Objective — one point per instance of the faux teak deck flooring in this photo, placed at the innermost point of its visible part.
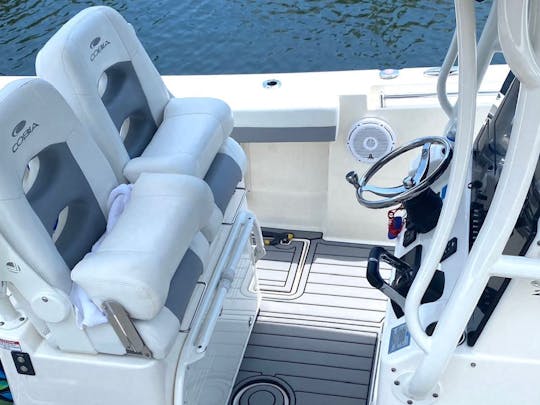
(316, 334)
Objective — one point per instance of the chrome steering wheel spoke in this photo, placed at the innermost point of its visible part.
(385, 191)
(422, 168)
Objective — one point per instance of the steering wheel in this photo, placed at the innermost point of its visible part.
(412, 185)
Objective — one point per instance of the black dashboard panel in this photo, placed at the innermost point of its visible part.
(488, 159)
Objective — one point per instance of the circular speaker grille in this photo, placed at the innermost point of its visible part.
(370, 139)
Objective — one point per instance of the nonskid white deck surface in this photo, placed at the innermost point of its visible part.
(316, 334)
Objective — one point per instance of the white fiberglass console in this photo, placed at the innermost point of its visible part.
(465, 262)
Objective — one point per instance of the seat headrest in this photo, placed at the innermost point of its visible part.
(91, 59)
(49, 164)
(35, 116)
(88, 44)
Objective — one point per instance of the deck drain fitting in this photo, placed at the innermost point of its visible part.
(271, 84)
(268, 390)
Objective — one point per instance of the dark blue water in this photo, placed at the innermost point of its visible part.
(247, 36)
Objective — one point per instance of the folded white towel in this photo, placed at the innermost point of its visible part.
(117, 202)
(86, 312)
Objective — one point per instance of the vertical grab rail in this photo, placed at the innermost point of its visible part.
(486, 258)
(205, 319)
(515, 39)
(488, 43)
(487, 46)
(245, 225)
(446, 67)
(224, 285)
(466, 29)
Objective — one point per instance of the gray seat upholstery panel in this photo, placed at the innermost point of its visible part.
(223, 176)
(124, 98)
(60, 183)
(183, 283)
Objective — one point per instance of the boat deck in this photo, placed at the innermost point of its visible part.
(316, 335)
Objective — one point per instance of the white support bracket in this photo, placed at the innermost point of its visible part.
(49, 304)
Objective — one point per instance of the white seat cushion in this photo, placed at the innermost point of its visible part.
(136, 261)
(191, 134)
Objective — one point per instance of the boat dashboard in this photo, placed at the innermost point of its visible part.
(421, 213)
(488, 159)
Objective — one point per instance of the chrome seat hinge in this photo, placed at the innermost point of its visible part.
(125, 330)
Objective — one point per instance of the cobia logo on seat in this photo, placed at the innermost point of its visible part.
(97, 46)
(21, 132)
(94, 42)
(18, 128)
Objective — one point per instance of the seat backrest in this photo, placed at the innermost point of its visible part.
(54, 181)
(100, 67)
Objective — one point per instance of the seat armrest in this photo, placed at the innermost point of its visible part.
(187, 141)
(136, 261)
(213, 107)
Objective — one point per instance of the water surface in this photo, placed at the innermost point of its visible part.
(246, 36)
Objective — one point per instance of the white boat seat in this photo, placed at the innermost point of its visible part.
(136, 261)
(54, 186)
(100, 67)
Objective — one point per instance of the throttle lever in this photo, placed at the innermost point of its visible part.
(374, 277)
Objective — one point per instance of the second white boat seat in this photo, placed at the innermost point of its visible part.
(54, 186)
(100, 67)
